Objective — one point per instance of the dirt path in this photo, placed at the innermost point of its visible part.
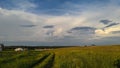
(48, 64)
(40, 61)
(51, 62)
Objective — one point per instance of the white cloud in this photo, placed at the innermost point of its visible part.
(107, 32)
(23, 5)
(10, 21)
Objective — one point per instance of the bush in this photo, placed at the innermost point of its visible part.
(117, 63)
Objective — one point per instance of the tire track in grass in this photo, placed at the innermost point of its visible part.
(39, 61)
(21, 60)
(50, 62)
(12, 58)
(47, 63)
(25, 61)
(6, 63)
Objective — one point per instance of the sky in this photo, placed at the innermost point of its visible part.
(60, 22)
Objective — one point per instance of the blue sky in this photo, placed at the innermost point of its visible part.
(60, 22)
(50, 6)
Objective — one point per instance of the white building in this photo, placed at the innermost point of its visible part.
(19, 49)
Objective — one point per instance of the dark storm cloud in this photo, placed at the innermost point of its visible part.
(112, 24)
(105, 21)
(83, 28)
(48, 26)
(27, 25)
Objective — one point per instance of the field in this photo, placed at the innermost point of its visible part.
(68, 57)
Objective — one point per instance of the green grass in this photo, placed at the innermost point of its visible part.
(47, 63)
(22, 60)
(87, 57)
(71, 57)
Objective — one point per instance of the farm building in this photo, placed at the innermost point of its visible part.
(1, 47)
(19, 49)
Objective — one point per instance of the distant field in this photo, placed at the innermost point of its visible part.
(70, 57)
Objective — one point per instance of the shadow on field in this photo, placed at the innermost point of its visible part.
(117, 63)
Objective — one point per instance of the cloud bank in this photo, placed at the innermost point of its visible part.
(86, 24)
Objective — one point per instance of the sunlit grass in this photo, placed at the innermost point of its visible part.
(71, 57)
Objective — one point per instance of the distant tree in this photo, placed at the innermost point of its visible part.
(2, 46)
(85, 45)
(93, 45)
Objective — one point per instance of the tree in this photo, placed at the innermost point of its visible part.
(2, 46)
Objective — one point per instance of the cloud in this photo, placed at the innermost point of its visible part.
(79, 25)
(25, 5)
(115, 32)
(105, 21)
(112, 24)
(27, 25)
(108, 32)
(83, 28)
(81, 33)
(50, 33)
(48, 26)
(101, 32)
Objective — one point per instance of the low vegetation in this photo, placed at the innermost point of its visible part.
(71, 57)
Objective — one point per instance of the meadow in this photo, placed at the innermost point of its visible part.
(68, 57)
